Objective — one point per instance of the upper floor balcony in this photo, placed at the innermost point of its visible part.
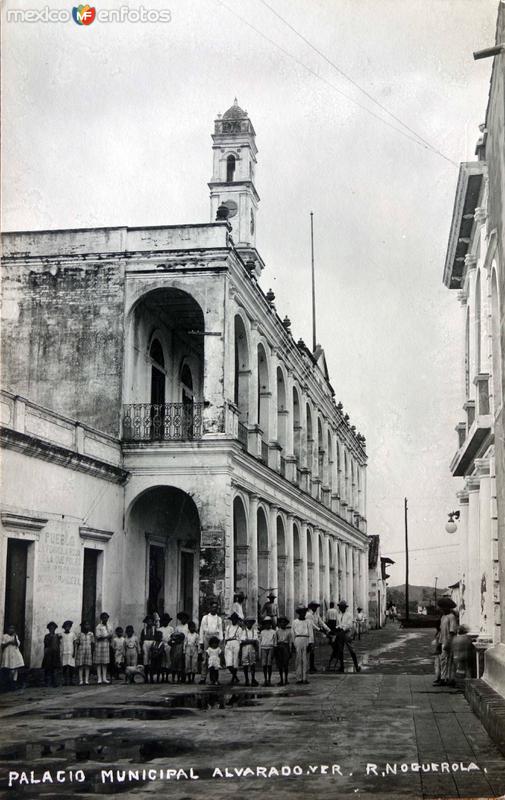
(162, 422)
(476, 431)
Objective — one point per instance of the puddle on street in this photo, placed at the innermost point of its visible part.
(97, 747)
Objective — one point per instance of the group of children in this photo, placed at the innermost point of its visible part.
(178, 651)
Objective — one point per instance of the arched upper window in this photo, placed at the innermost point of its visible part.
(187, 384)
(297, 428)
(230, 169)
(281, 409)
(157, 373)
(263, 392)
(156, 353)
(241, 383)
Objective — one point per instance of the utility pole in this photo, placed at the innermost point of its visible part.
(406, 562)
(314, 342)
(436, 579)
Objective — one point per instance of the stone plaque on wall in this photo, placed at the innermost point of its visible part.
(212, 537)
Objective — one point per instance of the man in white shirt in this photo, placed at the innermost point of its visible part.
(302, 636)
(317, 624)
(211, 625)
(344, 634)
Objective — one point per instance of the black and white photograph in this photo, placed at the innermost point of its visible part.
(252, 381)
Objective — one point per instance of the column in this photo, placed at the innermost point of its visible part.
(273, 575)
(349, 577)
(486, 552)
(463, 556)
(336, 567)
(290, 569)
(214, 377)
(315, 559)
(343, 571)
(473, 577)
(363, 573)
(356, 581)
(327, 564)
(252, 566)
(304, 566)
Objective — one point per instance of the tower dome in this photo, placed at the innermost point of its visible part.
(235, 112)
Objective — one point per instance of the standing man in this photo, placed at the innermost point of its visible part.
(344, 635)
(331, 617)
(317, 624)
(270, 609)
(211, 626)
(302, 635)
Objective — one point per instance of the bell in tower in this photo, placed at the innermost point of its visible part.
(232, 185)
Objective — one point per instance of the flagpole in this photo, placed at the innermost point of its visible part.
(314, 341)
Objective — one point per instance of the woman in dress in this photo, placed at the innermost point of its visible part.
(51, 660)
(11, 654)
(67, 652)
(103, 636)
(84, 653)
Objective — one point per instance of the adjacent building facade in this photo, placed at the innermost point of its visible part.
(475, 269)
(377, 583)
(166, 441)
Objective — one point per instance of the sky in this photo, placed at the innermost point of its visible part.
(109, 124)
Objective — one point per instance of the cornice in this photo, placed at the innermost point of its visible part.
(47, 451)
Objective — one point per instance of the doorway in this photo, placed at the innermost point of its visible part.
(187, 580)
(89, 586)
(156, 596)
(15, 589)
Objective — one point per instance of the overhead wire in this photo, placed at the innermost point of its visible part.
(355, 83)
(332, 85)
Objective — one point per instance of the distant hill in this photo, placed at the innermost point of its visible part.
(418, 595)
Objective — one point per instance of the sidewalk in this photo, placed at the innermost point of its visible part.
(361, 727)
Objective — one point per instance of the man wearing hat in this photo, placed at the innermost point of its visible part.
(234, 634)
(344, 635)
(270, 609)
(211, 627)
(302, 635)
(314, 619)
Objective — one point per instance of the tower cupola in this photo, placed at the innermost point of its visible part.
(232, 184)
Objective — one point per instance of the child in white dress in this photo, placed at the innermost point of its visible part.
(11, 654)
(191, 646)
(67, 652)
(118, 651)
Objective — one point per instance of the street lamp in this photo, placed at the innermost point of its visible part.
(450, 525)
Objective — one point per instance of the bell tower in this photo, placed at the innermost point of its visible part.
(232, 192)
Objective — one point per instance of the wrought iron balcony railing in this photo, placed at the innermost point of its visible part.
(242, 434)
(166, 422)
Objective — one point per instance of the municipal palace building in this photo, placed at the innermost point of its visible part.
(166, 440)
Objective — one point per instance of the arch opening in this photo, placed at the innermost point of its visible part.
(165, 367)
(162, 554)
